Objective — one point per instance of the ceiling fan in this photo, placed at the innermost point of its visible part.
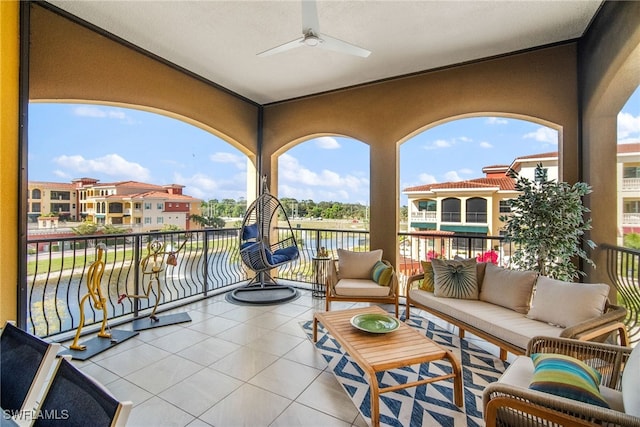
(312, 37)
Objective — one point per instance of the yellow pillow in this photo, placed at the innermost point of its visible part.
(427, 283)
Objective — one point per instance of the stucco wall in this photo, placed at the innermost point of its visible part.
(609, 56)
(539, 85)
(69, 62)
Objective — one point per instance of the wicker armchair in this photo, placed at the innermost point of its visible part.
(509, 404)
(340, 288)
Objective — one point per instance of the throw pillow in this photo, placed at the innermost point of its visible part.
(455, 279)
(427, 283)
(250, 232)
(357, 265)
(630, 383)
(508, 288)
(551, 297)
(568, 377)
(381, 273)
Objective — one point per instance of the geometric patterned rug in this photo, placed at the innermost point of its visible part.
(424, 405)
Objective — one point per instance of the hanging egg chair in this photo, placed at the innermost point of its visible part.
(263, 247)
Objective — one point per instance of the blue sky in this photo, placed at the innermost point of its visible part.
(68, 141)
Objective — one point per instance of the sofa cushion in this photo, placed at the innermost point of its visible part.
(357, 265)
(455, 279)
(427, 283)
(551, 297)
(520, 372)
(497, 321)
(568, 377)
(508, 288)
(631, 384)
(381, 273)
(360, 288)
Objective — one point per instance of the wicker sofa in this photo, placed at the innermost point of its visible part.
(512, 401)
(512, 307)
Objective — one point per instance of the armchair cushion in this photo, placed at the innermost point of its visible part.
(568, 377)
(551, 296)
(360, 288)
(381, 273)
(427, 283)
(631, 384)
(455, 279)
(357, 265)
(508, 288)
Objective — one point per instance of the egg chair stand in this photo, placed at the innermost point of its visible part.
(264, 247)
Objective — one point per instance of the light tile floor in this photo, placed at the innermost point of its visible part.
(232, 365)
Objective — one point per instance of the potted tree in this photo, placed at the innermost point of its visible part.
(547, 225)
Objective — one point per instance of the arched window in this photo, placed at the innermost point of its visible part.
(35, 194)
(476, 210)
(451, 210)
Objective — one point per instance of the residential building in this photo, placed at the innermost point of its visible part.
(46, 198)
(129, 204)
(474, 206)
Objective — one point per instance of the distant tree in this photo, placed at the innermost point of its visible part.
(112, 229)
(632, 241)
(170, 227)
(206, 221)
(85, 229)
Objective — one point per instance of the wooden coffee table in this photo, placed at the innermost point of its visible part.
(381, 352)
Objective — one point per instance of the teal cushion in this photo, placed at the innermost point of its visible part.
(568, 377)
(381, 273)
(455, 279)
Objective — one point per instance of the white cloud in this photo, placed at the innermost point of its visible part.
(452, 176)
(110, 165)
(463, 139)
(239, 162)
(466, 171)
(296, 180)
(99, 113)
(327, 143)
(62, 175)
(544, 134)
(205, 187)
(496, 121)
(426, 178)
(628, 128)
(485, 144)
(439, 143)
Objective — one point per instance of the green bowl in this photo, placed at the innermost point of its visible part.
(375, 323)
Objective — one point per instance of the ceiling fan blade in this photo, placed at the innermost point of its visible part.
(283, 47)
(337, 45)
(310, 21)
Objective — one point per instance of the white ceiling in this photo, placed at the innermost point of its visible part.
(219, 40)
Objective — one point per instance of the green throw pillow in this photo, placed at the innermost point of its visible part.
(568, 377)
(427, 283)
(455, 279)
(381, 273)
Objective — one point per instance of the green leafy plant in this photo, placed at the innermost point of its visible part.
(547, 224)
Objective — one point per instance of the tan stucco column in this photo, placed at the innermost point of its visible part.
(384, 197)
(9, 110)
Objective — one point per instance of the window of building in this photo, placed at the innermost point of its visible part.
(115, 207)
(476, 210)
(159, 206)
(427, 205)
(35, 207)
(632, 206)
(451, 210)
(505, 207)
(60, 195)
(631, 172)
(159, 220)
(35, 194)
(541, 174)
(147, 205)
(147, 220)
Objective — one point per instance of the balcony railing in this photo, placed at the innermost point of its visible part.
(631, 219)
(631, 184)
(208, 263)
(623, 268)
(424, 216)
